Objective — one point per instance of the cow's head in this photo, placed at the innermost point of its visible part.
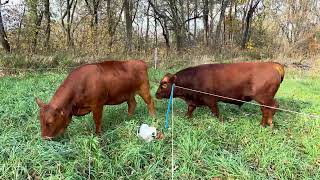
(165, 86)
(53, 121)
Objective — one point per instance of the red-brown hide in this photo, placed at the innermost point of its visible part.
(90, 87)
(245, 81)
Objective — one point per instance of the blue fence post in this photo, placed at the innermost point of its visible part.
(169, 105)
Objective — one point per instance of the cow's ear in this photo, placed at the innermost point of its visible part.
(173, 78)
(40, 103)
(59, 110)
(166, 78)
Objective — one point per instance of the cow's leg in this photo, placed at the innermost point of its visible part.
(132, 103)
(215, 110)
(97, 116)
(275, 104)
(144, 92)
(267, 113)
(191, 108)
(213, 105)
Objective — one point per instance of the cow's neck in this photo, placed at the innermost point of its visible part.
(62, 99)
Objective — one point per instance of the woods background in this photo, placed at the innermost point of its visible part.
(219, 29)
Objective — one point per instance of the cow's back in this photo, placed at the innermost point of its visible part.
(108, 82)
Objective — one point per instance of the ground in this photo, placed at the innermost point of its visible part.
(204, 148)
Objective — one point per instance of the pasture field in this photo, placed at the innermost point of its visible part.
(204, 148)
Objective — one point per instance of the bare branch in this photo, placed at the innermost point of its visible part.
(196, 17)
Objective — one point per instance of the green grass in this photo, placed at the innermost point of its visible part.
(203, 147)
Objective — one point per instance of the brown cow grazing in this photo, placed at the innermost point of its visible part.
(90, 87)
(245, 81)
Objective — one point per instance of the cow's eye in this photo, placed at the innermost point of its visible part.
(164, 86)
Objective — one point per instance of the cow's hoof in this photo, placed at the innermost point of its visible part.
(263, 124)
(271, 125)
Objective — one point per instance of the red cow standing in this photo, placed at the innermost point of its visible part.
(90, 87)
(245, 81)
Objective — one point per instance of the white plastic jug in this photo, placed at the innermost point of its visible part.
(147, 133)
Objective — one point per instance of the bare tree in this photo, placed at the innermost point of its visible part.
(20, 27)
(93, 7)
(252, 8)
(147, 28)
(48, 25)
(195, 20)
(163, 21)
(113, 21)
(129, 17)
(218, 38)
(3, 35)
(206, 21)
(171, 15)
(36, 13)
(67, 21)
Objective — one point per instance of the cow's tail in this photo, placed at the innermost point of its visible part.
(280, 69)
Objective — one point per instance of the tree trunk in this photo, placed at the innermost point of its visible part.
(245, 11)
(69, 38)
(147, 30)
(3, 35)
(20, 27)
(48, 26)
(218, 38)
(112, 23)
(205, 21)
(166, 35)
(230, 21)
(36, 17)
(245, 36)
(178, 25)
(37, 23)
(195, 20)
(155, 24)
(93, 9)
(128, 8)
(188, 23)
(235, 17)
(71, 6)
(96, 4)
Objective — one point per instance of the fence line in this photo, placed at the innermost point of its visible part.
(233, 99)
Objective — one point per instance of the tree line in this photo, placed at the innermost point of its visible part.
(130, 26)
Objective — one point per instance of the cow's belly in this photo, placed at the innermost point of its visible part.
(237, 100)
(119, 95)
(114, 100)
(81, 111)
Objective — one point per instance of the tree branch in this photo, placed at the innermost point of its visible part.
(157, 11)
(196, 17)
(89, 7)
